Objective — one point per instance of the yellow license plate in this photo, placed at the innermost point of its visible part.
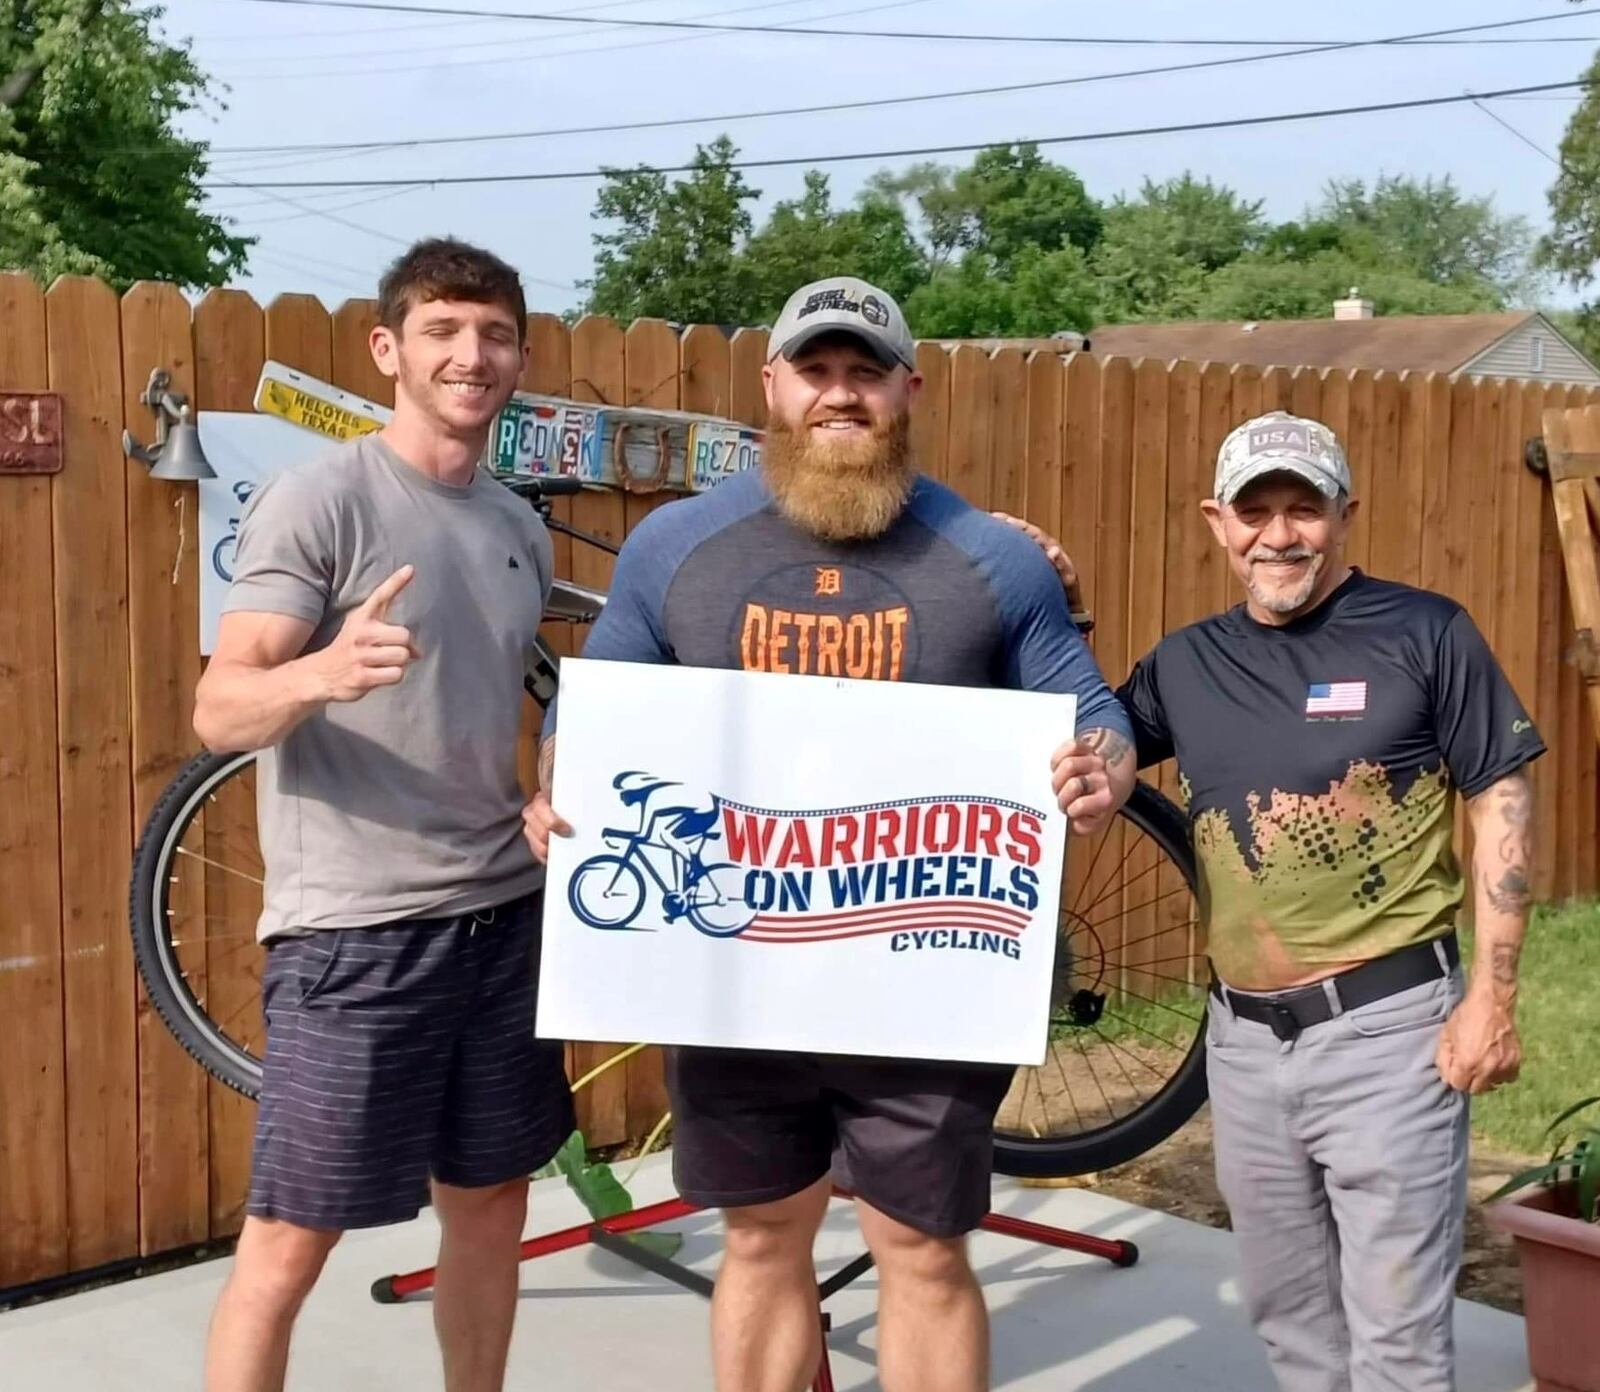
(299, 407)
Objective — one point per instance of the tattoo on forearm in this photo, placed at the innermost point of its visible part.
(1511, 893)
(1109, 745)
(547, 762)
(1516, 808)
(1503, 963)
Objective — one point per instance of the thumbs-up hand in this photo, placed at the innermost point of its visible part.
(369, 651)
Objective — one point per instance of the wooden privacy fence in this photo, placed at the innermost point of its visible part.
(112, 1143)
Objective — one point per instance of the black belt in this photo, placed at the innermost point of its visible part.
(1290, 1012)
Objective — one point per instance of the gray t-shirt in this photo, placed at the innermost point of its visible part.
(406, 803)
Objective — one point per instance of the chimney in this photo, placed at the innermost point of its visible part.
(1353, 308)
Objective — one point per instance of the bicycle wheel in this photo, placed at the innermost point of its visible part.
(194, 900)
(606, 892)
(1125, 1061)
(715, 913)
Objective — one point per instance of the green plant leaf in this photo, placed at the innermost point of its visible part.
(1571, 1112)
(1539, 1174)
(1589, 1182)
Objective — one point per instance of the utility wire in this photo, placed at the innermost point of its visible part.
(1235, 123)
(459, 12)
(1526, 140)
(825, 107)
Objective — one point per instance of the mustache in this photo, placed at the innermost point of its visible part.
(1270, 553)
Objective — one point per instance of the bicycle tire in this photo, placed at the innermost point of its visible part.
(154, 952)
(582, 910)
(1128, 1137)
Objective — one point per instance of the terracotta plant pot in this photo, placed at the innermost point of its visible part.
(1560, 1259)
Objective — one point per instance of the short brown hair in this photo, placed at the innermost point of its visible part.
(442, 268)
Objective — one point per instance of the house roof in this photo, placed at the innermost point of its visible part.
(1396, 343)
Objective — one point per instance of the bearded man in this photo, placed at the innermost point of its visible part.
(838, 559)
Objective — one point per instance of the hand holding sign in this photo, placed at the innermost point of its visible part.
(369, 651)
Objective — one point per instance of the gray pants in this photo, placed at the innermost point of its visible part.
(1343, 1158)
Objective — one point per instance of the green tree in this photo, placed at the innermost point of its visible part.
(93, 178)
(806, 238)
(1572, 246)
(674, 250)
(1009, 199)
(1157, 249)
(1268, 287)
(1428, 227)
(1042, 292)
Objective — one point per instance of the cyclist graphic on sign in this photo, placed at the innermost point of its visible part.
(608, 891)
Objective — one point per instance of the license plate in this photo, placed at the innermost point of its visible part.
(539, 437)
(304, 401)
(719, 450)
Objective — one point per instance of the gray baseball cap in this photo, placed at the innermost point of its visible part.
(1278, 443)
(843, 304)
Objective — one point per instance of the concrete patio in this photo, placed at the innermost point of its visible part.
(593, 1323)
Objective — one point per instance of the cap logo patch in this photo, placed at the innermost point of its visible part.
(874, 312)
(836, 298)
(1279, 437)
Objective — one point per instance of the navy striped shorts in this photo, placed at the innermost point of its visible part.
(398, 1053)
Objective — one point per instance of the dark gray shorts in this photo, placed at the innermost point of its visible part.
(914, 1139)
(399, 1052)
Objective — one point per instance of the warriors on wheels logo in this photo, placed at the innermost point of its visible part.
(953, 873)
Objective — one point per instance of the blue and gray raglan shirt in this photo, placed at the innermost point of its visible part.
(948, 595)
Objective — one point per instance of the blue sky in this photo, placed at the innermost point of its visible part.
(301, 75)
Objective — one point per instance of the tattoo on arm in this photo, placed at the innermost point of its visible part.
(1503, 963)
(1511, 893)
(547, 762)
(1108, 744)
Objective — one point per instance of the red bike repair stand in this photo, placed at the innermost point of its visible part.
(610, 1234)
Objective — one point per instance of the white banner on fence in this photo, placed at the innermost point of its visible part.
(764, 861)
(245, 449)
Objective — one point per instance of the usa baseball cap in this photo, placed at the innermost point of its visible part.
(1278, 443)
(843, 304)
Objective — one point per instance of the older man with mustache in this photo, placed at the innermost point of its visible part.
(838, 559)
(1323, 730)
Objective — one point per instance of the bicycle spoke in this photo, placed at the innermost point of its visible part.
(1162, 1005)
(1095, 1078)
(1160, 932)
(1088, 879)
(1066, 1083)
(1125, 884)
(1127, 854)
(1143, 1063)
(218, 865)
(1126, 913)
(1127, 1077)
(1135, 1025)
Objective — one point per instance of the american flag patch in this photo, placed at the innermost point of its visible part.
(1336, 698)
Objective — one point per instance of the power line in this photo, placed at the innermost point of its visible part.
(1526, 140)
(1235, 123)
(327, 216)
(367, 69)
(826, 107)
(387, 7)
(370, 31)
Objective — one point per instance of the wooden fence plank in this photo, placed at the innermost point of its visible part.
(1482, 583)
(747, 396)
(353, 368)
(967, 468)
(1335, 413)
(599, 373)
(90, 519)
(707, 362)
(651, 370)
(300, 334)
(1042, 474)
(930, 413)
(33, 1119)
(1008, 431)
(1216, 420)
(230, 346)
(1277, 389)
(1395, 506)
(164, 628)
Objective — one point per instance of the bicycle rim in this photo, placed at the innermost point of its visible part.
(194, 902)
(1125, 1062)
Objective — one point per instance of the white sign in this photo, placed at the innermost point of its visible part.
(812, 864)
(245, 450)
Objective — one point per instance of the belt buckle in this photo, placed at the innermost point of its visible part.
(1282, 1022)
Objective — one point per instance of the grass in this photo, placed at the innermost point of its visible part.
(1558, 1018)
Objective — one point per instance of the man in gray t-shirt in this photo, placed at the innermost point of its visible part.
(386, 599)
